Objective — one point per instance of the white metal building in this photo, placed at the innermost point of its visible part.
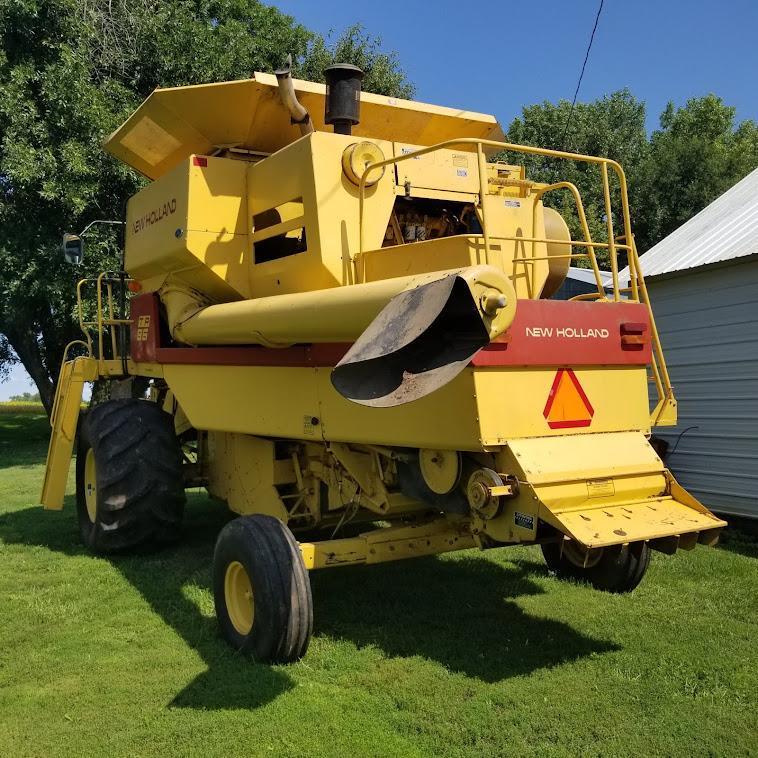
(703, 284)
(581, 281)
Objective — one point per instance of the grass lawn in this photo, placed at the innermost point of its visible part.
(468, 654)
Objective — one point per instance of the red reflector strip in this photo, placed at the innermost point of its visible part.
(633, 342)
(633, 328)
(199, 160)
(569, 424)
(633, 335)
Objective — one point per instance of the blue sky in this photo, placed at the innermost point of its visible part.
(496, 57)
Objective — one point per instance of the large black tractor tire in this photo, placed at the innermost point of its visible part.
(618, 568)
(261, 590)
(129, 487)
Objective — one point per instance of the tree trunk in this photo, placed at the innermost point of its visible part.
(27, 348)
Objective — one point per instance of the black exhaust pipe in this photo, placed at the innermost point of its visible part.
(343, 97)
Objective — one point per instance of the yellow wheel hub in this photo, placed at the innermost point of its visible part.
(238, 594)
(441, 469)
(90, 485)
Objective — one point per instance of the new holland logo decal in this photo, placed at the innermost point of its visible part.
(567, 405)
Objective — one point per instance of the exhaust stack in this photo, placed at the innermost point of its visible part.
(298, 113)
(343, 97)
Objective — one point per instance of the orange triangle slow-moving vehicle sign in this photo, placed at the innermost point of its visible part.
(567, 406)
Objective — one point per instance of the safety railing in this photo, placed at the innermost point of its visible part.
(106, 333)
(637, 291)
(611, 245)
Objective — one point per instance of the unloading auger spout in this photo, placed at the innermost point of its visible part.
(410, 335)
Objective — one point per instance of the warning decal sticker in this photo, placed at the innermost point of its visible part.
(567, 406)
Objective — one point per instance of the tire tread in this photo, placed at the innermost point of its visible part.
(283, 620)
(139, 476)
(620, 568)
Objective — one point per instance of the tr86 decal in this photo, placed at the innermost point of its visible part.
(143, 328)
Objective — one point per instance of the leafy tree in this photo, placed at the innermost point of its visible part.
(697, 154)
(612, 127)
(70, 73)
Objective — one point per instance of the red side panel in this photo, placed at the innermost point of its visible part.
(572, 333)
(544, 333)
(147, 346)
(145, 329)
(296, 356)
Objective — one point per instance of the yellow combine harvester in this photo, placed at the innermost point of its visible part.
(334, 327)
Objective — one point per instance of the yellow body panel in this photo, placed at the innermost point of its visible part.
(446, 252)
(265, 401)
(448, 170)
(281, 402)
(512, 401)
(244, 473)
(310, 170)
(192, 225)
(481, 408)
(585, 457)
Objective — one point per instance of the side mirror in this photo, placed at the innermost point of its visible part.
(73, 248)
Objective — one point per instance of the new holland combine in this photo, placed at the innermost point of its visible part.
(334, 314)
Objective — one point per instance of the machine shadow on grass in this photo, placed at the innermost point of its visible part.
(460, 613)
(162, 578)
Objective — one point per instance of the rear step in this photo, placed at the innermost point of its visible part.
(612, 489)
(665, 522)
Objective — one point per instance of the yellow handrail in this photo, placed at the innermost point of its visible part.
(609, 224)
(637, 285)
(100, 323)
(480, 144)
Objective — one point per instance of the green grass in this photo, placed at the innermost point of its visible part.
(467, 654)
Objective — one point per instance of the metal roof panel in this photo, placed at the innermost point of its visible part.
(723, 230)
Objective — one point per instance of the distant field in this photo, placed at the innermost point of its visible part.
(467, 654)
(21, 406)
